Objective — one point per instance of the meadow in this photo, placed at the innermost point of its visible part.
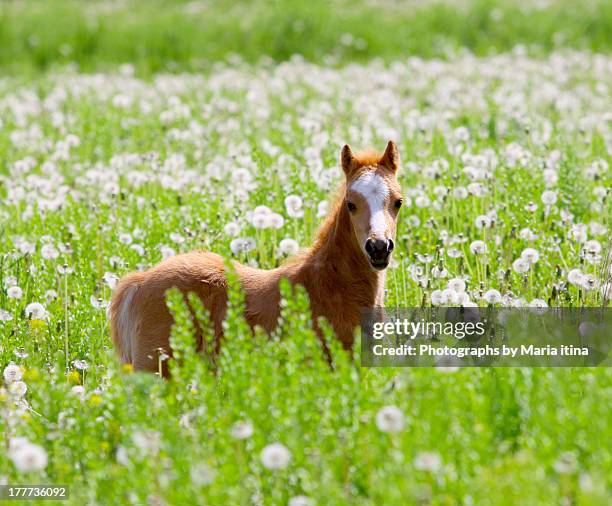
(177, 35)
(119, 160)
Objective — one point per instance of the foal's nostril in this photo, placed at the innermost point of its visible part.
(369, 246)
(390, 245)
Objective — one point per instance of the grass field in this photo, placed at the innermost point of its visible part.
(162, 35)
(507, 183)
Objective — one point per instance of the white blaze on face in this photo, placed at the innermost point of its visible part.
(374, 189)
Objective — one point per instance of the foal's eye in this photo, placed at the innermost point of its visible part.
(351, 207)
(398, 203)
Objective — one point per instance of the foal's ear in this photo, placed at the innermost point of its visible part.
(347, 160)
(391, 158)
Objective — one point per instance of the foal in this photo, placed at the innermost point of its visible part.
(343, 272)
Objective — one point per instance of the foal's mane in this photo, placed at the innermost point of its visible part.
(368, 157)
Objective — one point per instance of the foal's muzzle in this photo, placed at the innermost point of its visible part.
(379, 251)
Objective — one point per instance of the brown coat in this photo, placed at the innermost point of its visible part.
(335, 272)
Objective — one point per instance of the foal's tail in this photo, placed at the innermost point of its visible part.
(124, 320)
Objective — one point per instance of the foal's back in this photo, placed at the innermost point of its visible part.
(140, 320)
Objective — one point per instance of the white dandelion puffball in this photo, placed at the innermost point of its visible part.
(438, 272)
(566, 463)
(12, 372)
(50, 295)
(81, 365)
(550, 177)
(78, 390)
(300, 500)
(288, 247)
(260, 220)
(148, 441)
(437, 298)
(538, 303)
(589, 282)
(138, 249)
(578, 232)
(177, 238)
(428, 461)
(527, 234)
(492, 296)
(232, 229)
(531, 255)
(575, 277)
(592, 246)
(456, 284)
(242, 245)
(478, 248)
(293, 204)
(123, 457)
(276, 221)
(521, 265)
(450, 296)
(27, 456)
(5, 316)
(275, 456)
(36, 311)
(201, 474)
(14, 292)
(167, 252)
(322, 209)
(125, 238)
(549, 197)
(483, 221)
(64, 269)
(460, 192)
(98, 303)
(49, 252)
(111, 279)
(606, 291)
(17, 442)
(242, 430)
(390, 419)
(421, 201)
(262, 210)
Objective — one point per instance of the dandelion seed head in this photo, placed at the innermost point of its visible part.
(14, 292)
(242, 430)
(275, 456)
(301, 500)
(26, 456)
(492, 296)
(549, 197)
(478, 247)
(390, 419)
(428, 461)
(36, 311)
(521, 265)
(531, 255)
(12, 373)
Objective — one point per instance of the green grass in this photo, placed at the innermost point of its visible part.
(500, 433)
(164, 35)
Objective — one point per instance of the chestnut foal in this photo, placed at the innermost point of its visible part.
(343, 271)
